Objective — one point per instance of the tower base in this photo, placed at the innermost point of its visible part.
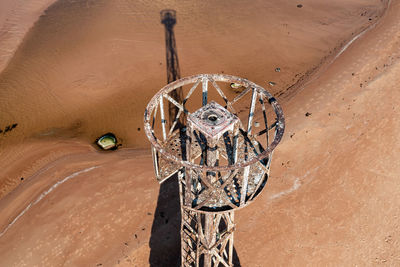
(206, 238)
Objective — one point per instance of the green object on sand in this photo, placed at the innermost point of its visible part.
(235, 85)
(107, 141)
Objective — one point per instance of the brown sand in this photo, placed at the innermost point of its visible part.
(90, 67)
(16, 18)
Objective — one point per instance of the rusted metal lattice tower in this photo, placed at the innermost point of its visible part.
(222, 157)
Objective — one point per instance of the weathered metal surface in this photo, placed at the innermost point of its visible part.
(212, 120)
(225, 166)
(279, 126)
(221, 165)
(207, 239)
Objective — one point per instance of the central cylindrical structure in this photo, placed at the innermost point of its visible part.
(220, 153)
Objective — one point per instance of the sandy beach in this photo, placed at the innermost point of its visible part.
(71, 71)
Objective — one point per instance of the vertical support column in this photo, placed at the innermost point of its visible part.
(231, 226)
(210, 237)
(163, 121)
(205, 91)
(251, 112)
(212, 159)
(206, 238)
(246, 171)
(188, 172)
(235, 149)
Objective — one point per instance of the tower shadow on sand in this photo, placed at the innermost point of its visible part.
(165, 247)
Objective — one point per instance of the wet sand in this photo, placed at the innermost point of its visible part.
(89, 67)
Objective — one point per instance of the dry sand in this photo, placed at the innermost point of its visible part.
(90, 67)
(16, 18)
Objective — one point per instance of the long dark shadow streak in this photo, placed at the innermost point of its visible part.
(165, 247)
